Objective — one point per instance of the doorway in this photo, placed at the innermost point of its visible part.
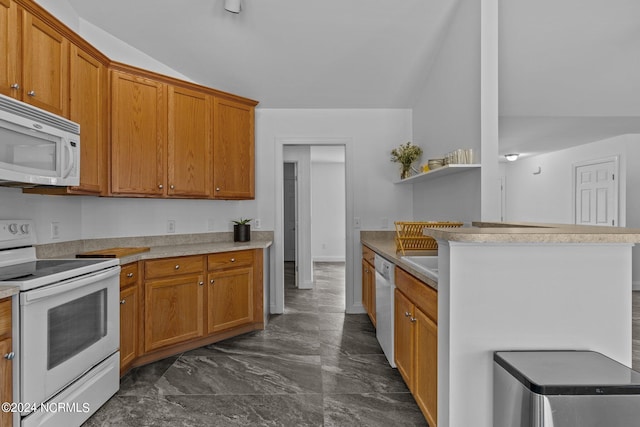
(303, 228)
(290, 222)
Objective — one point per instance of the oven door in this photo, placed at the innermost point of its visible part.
(66, 329)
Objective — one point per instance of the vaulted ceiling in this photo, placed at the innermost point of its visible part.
(569, 70)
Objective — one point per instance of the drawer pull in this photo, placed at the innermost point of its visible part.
(10, 356)
(15, 86)
(212, 281)
(123, 301)
(413, 320)
(177, 266)
(129, 275)
(31, 93)
(407, 314)
(201, 283)
(233, 260)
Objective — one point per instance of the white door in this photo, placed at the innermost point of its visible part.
(596, 192)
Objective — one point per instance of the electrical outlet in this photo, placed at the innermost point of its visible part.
(257, 223)
(55, 230)
(171, 226)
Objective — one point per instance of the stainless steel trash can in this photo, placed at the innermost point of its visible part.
(563, 389)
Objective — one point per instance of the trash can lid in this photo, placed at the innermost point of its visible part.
(570, 372)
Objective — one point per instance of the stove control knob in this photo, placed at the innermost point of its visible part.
(24, 229)
(13, 228)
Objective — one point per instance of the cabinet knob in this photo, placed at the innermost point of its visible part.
(160, 186)
(233, 260)
(10, 356)
(129, 275)
(122, 301)
(177, 266)
(407, 314)
(413, 320)
(200, 283)
(172, 186)
(212, 281)
(217, 188)
(31, 93)
(15, 86)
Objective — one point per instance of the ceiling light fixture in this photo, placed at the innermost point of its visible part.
(233, 6)
(512, 157)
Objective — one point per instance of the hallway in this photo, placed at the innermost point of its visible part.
(311, 366)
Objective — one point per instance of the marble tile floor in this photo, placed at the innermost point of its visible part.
(312, 366)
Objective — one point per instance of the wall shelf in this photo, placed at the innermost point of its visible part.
(437, 173)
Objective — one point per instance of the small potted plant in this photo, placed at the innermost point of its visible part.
(405, 154)
(242, 230)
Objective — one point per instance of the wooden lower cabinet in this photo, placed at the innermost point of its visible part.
(230, 299)
(130, 315)
(369, 284)
(416, 341)
(173, 311)
(6, 364)
(182, 303)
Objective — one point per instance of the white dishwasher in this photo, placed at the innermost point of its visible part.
(385, 288)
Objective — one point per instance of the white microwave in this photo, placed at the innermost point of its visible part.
(37, 147)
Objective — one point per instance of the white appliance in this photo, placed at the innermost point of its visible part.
(37, 147)
(66, 330)
(385, 288)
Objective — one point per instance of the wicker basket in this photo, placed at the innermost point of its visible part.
(410, 235)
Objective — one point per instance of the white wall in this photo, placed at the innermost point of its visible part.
(547, 197)
(327, 211)
(446, 116)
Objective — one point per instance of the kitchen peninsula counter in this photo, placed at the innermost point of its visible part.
(525, 286)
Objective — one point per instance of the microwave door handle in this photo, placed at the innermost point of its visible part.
(67, 286)
(67, 170)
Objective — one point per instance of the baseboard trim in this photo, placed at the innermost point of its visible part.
(305, 284)
(635, 285)
(329, 259)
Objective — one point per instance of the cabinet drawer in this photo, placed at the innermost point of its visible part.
(5, 317)
(421, 294)
(128, 275)
(230, 259)
(173, 266)
(368, 255)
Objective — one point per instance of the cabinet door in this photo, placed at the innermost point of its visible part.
(173, 311)
(233, 150)
(426, 366)
(138, 136)
(229, 299)
(6, 380)
(403, 337)
(189, 143)
(372, 294)
(10, 43)
(366, 287)
(45, 68)
(87, 107)
(128, 325)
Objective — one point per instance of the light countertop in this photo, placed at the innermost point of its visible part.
(488, 232)
(383, 243)
(8, 291)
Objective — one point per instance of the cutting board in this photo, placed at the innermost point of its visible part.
(112, 253)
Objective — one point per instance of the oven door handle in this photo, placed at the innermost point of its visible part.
(67, 286)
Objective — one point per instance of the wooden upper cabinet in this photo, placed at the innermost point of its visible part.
(88, 108)
(189, 144)
(138, 119)
(35, 66)
(233, 150)
(10, 49)
(45, 68)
